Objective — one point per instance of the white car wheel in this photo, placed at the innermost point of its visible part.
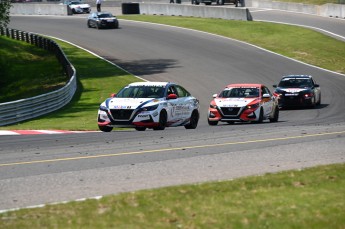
(163, 118)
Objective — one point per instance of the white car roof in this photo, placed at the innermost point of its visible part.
(149, 84)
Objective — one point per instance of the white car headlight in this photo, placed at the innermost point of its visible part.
(150, 108)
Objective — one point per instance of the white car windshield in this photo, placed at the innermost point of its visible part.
(239, 93)
(141, 92)
(76, 3)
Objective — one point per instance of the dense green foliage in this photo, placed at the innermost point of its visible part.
(5, 6)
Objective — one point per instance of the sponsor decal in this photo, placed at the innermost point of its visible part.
(293, 90)
(234, 102)
(123, 107)
(179, 110)
(143, 116)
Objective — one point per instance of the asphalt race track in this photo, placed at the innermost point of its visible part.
(39, 169)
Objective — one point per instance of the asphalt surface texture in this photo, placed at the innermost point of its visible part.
(41, 169)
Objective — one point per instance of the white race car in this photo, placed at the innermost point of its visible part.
(153, 105)
(78, 7)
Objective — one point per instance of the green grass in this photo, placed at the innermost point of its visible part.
(312, 198)
(27, 70)
(97, 82)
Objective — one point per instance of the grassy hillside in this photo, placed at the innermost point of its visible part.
(27, 70)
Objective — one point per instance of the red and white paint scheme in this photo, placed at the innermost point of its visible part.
(243, 103)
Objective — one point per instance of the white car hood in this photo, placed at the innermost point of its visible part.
(80, 5)
(130, 103)
(233, 102)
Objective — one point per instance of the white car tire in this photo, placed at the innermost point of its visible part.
(163, 117)
(194, 119)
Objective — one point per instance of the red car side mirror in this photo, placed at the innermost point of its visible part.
(172, 96)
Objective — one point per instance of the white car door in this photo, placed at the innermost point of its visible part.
(172, 105)
(267, 99)
(185, 103)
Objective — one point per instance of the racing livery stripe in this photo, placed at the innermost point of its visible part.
(107, 102)
(143, 104)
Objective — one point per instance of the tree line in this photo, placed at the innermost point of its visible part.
(5, 6)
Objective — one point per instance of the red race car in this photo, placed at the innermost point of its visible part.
(243, 103)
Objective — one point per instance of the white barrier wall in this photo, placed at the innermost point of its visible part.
(39, 9)
(195, 11)
(326, 10)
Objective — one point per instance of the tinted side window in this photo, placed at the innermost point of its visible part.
(181, 92)
(265, 90)
(171, 90)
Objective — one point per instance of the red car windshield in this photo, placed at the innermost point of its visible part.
(239, 93)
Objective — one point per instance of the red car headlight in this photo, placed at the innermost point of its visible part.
(252, 106)
(213, 106)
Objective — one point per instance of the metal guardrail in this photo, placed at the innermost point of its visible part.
(24, 109)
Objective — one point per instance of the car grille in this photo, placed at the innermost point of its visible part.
(121, 114)
(292, 100)
(230, 110)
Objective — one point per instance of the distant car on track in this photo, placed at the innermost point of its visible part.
(153, 105)
(102, 20)
(78, 7)
(298, 90)
(243, 103)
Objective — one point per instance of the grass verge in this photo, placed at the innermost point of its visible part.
(27, 70)
(311, 198)
(96, 83)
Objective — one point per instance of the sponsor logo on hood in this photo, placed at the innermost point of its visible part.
(233, 102)
(131, 103)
